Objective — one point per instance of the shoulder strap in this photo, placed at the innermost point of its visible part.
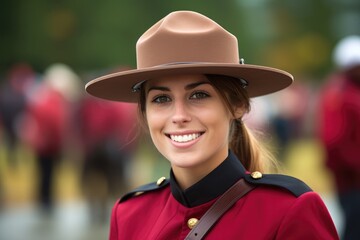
(161, 183)
(291, 184)
(228, 199)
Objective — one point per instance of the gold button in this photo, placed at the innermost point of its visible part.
(256, 175)
(192, 222)
(160, 181)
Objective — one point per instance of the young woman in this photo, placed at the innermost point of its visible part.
(193, 90)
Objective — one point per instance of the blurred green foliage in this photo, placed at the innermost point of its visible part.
(297, 36)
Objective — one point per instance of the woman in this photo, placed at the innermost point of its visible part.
(192, 94)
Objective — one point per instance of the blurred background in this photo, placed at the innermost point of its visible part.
(66, 157)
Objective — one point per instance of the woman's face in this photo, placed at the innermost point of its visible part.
(188, 121)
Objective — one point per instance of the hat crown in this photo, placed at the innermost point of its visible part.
(186, 36)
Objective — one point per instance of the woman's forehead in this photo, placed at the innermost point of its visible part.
(177, 80)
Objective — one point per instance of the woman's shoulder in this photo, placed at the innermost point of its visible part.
(293, 185)
(282, 193)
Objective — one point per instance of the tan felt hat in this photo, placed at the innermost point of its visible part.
(186, 42)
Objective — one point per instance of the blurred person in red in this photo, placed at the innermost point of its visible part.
(46, 124)
(340, 130)
(13, 103)
(105, 129)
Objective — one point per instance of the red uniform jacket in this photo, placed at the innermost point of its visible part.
(280, 207)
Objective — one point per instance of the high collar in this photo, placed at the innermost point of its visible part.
(212, 185)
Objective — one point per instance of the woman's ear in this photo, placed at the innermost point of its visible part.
(239, 112)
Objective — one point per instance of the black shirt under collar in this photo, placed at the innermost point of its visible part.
(212, 185)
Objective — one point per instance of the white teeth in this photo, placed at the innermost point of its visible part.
(184, 138)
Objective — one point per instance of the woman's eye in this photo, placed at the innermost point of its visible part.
(199, 95)
(161, 99)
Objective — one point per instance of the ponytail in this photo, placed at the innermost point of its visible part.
(252, 153)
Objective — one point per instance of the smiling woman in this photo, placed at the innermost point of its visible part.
(189, 106)
(192, 90)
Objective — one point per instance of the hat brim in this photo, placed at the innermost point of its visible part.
(119, 86)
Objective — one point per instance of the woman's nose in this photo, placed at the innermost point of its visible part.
(181, 113)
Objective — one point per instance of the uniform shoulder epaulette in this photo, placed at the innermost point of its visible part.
(293, 185)
(160, 183)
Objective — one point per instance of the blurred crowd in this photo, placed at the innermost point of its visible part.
(50, 115)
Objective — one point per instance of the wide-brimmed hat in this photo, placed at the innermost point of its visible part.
(186, 42)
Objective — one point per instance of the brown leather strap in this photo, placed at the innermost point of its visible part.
(234, 193)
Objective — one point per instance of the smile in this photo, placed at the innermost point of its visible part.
(185, 138)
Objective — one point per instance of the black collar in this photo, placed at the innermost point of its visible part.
(212, 185)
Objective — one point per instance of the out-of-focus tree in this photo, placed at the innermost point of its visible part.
(86, 35)
(98, 35)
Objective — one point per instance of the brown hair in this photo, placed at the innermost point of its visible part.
(242, 141)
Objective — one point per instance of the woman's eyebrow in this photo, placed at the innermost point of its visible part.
(194, 85)
(158, 88)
